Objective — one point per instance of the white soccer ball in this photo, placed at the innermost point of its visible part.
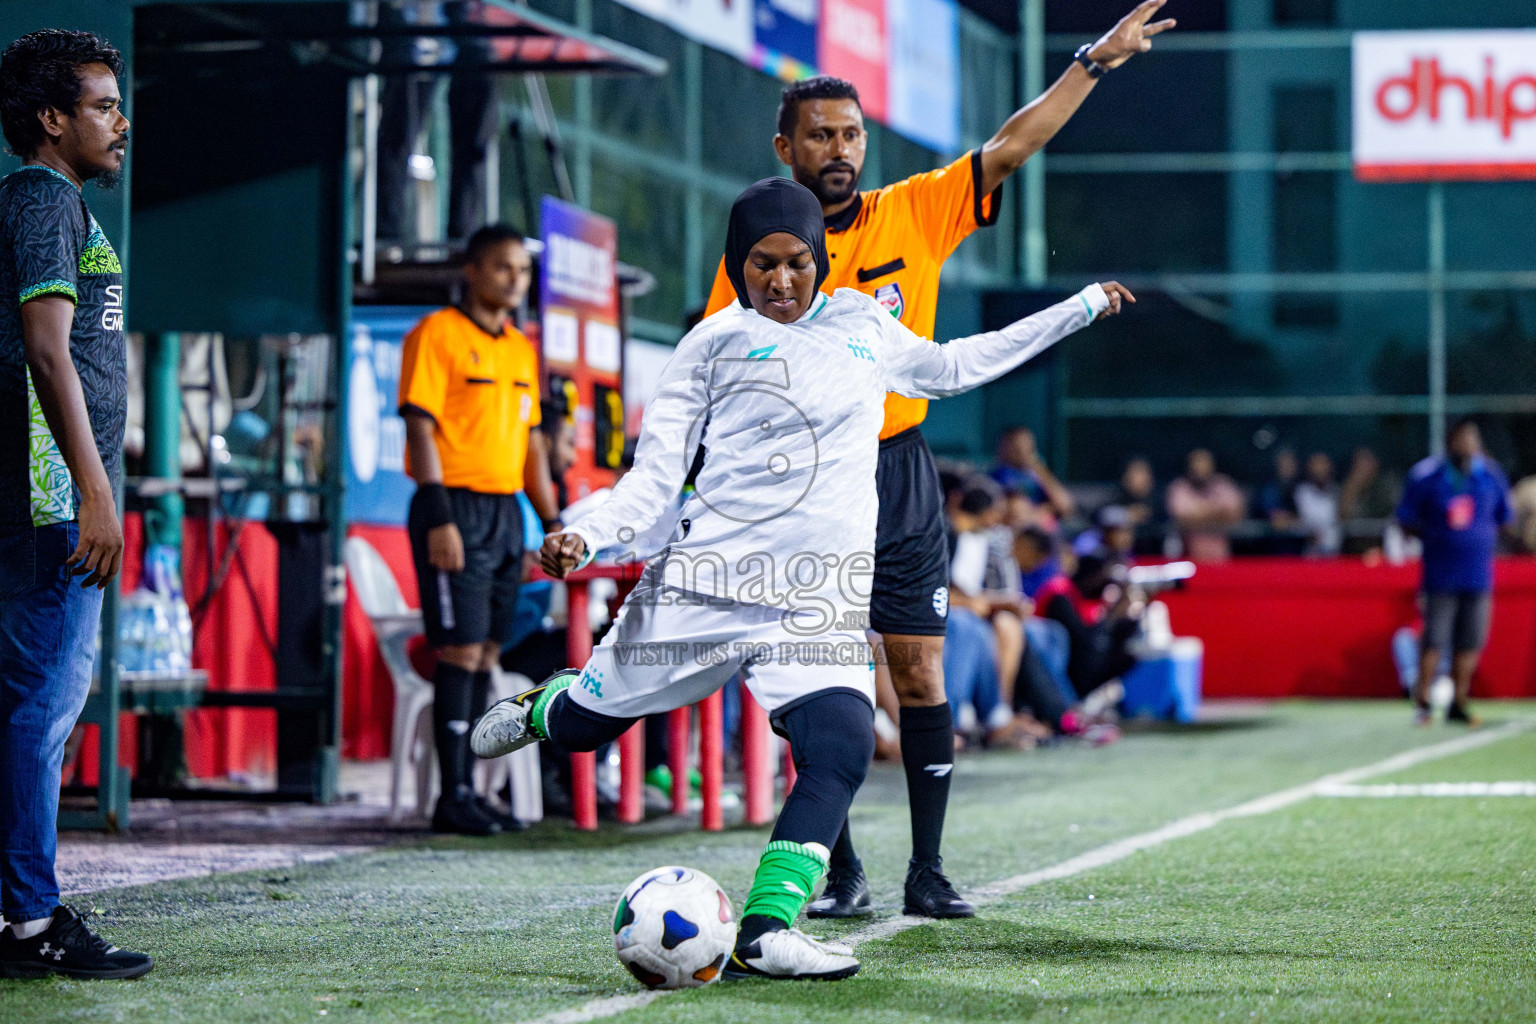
(674, 928)
(1441, 693)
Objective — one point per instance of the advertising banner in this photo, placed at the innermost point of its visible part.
(852, 44)
(724, 24)
(924, 71)
(903, 55)
(785, 37)
(583, 346)
(378, 489)
(1445, 106)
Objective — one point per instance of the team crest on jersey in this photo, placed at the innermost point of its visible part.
(890, 299)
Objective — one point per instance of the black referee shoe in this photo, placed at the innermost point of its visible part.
(458, 814)
(508, 822)
(846, 895)
(1460, 714)
(68, 947)
(930, 894)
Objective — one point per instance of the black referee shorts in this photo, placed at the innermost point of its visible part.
(479, 603)
(910, 592)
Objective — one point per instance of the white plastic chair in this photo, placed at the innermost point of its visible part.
(394, 624)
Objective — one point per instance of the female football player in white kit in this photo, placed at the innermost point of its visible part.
(767, 569)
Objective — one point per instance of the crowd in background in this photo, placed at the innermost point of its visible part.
(1305, 507)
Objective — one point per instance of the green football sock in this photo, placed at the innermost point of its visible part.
(539, 716)
(786, 877)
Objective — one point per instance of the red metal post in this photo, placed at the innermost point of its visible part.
(578, 648)
(632, 774)
(677, 758)
(757, 772)
(711, 722)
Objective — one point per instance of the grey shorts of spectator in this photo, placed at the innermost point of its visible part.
(1457, 621)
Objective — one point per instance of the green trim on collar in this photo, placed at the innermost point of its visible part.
(823, 305)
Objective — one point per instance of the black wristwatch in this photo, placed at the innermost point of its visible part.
(1093, 67)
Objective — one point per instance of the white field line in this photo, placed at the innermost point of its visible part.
(1117, 851)
(1433, 789)
(1112, 852)
(597, 1009)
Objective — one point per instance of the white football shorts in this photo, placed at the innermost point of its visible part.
(667, 649)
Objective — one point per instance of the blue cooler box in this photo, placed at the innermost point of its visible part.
(1166, 685)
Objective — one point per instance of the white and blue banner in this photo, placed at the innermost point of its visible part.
(378, 489)
(923, 71)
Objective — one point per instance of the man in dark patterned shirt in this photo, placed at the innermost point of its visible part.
(63, 404)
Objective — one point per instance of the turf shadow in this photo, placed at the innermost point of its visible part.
(988, 942)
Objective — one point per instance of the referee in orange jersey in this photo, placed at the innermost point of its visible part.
(891, 243)
(469, 393)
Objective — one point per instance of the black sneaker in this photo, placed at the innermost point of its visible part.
(462, 816)
(507, 822)
(846, 895)
(68, 947)
(929, 894)
(1460, 714)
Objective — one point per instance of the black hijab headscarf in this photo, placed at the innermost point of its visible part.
(766, 207)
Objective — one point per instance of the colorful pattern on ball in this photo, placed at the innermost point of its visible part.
(674, 927)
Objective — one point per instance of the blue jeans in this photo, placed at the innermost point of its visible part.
(970, 663)
(48, 628)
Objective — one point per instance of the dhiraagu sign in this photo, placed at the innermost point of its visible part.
(1445, 106)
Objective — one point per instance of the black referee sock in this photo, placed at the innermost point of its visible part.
(452, 713)
(479, 694)
(928, 754)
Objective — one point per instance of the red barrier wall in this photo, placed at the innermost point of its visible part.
(1290, 627)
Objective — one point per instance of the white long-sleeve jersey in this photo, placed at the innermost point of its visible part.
(783, 514)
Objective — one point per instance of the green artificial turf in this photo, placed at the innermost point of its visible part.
(1403, 909)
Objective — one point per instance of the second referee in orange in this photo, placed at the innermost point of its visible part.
(469, 393)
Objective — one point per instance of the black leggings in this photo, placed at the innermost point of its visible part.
(1035, 691)
(831, 734)
(1099, 651)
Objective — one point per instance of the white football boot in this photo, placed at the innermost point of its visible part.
(791, 954)
(505, 727)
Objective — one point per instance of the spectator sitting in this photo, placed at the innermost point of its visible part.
(1276, 500)
(1044, 686)
(1099, 619)
(1317, 506)
(1205, 504)
(1034, 551)
(1020, 468)
(1137, 494)
(984, 635)
(1019, 511)
(1367, 494)
(1524, 501)
(1111, 536)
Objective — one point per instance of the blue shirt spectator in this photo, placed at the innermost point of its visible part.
(1456, 504)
